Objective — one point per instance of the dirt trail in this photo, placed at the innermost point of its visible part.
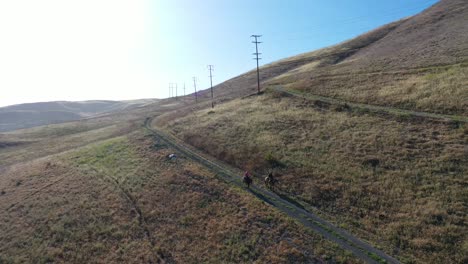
(230, 175)
(372, 108)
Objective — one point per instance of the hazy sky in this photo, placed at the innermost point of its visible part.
(115, 49)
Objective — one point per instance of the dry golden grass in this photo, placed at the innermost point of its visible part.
(122, 200)
(52, 213)
(440, 89)
(413, 203)
(204, 220)
(398, 182)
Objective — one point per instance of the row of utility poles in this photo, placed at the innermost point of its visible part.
(173, 86)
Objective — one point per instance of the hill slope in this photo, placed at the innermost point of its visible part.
(103, 190)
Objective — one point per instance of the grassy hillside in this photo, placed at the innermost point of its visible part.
(102, 189)
(122, 200)
(413, 202)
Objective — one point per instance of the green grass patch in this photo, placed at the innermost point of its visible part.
(114, 158)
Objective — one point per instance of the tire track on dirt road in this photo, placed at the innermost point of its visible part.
(345, 240)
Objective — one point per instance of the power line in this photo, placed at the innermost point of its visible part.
(298, 62)
(308, 32)
(210, 67)
(291, 60)
(301, 60)
(350, 20)
(257, 58)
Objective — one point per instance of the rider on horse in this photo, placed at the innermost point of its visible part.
(247, 179)
(269, 180)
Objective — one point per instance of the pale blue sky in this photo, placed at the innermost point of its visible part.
(129, 49)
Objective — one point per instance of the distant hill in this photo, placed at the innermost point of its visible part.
(36, 114)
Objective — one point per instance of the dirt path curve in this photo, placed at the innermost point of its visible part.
(230, 175)
(372, 108)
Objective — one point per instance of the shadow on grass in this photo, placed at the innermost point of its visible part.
(258, 193)
(290, 200)
(261, 196)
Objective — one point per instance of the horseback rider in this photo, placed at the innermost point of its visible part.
(247, 179)
(269, 180)
(270, 176)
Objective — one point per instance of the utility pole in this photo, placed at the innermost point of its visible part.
(195, 87)
(171, 90)
(257, 58)
(176, 91)
(210, 67)
(184, 89)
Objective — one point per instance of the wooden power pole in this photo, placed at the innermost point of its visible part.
(195, 87)
(257, 58)
(210, 67)
(171, 90)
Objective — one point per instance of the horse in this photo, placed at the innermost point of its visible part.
(270, 181)
(247, 180)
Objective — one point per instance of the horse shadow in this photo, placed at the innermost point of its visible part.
(261, 196)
